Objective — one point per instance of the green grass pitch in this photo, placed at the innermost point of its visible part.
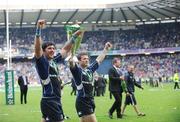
(159, 104)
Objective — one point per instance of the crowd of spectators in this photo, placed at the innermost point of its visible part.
(154, 66)
(142, 37)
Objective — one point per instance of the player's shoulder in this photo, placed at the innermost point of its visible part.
(126, 74)
(76, 67)
(40, 59)
(111, 68)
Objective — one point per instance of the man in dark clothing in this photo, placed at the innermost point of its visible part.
(23, 84)
(130, 83)
(115, 78)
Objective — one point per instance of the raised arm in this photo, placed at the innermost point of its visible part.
(67, 47)
(38, 41)
(71, 61)
(101, 57)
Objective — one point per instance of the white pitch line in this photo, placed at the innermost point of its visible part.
(155, 89)
(175, 108)
(4, 114)
(35, 111)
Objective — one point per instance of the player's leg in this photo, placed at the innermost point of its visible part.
(43, 120)
(116, 105)
(47, 120)
(123, 109)
(75, 91)
(88, 118)
(134, 103)
(118, 109)
(25, 94)
(21, 95)
(85, 109)
(52, 110)
(175, 85)
(136, 109)
(72, 92)
(126, 102)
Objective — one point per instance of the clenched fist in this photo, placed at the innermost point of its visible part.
(108, 46)
(41, 24)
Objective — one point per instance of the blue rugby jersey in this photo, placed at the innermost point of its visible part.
(49, 76)
(131, 82)
(84, 79)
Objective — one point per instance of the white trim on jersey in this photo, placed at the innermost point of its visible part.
(79, 87)
(45, 82)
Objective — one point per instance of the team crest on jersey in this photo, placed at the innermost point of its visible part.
(79, 113)
(88, 74)
(53, 65)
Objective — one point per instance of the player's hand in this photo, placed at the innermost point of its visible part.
(41, 23)
(121, 77)
(108, 46)
(71, 61)
(127, 94)
(77, 33)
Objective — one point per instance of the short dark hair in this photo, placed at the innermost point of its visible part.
(46, 44)
(81, 54)
(115, 60)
